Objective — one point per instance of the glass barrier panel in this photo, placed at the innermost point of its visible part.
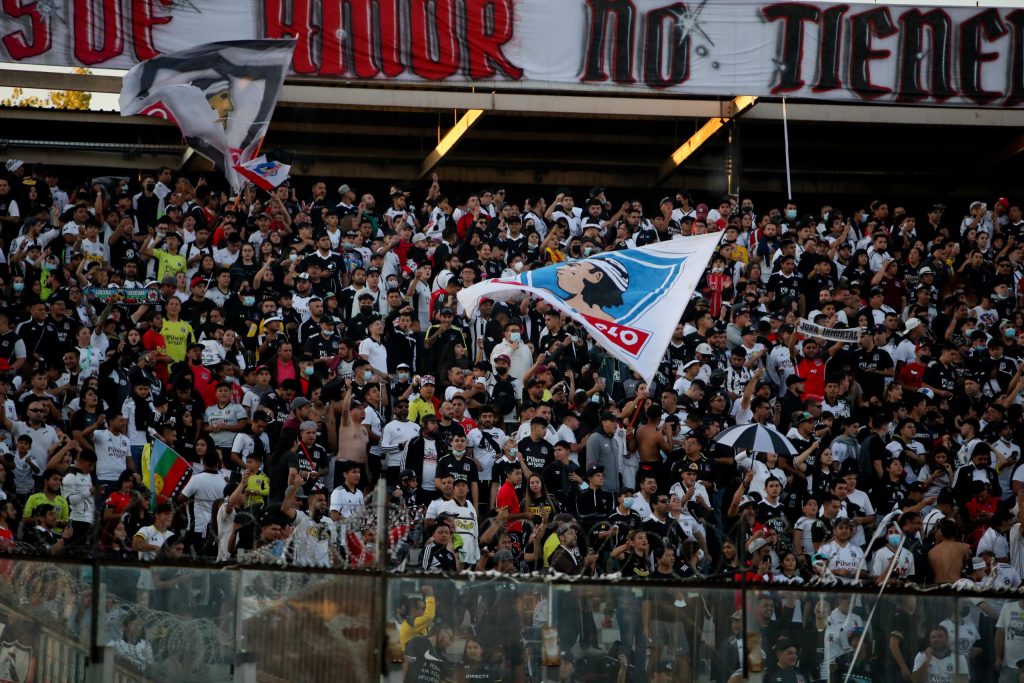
(45, 620)
(509, 629)
(168, 622)
(310, 627)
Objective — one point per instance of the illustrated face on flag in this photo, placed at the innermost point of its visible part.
(629, 301)
(221, 95)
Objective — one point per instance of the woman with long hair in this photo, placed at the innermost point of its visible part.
(474, 666)
(536, 499)
(937, 472)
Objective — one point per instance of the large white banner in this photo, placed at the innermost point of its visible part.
(906, 54)
(628, 301)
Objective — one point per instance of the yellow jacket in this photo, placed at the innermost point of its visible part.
(420, 626)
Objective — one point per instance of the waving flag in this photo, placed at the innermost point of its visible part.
(266, 175)
(628, 301)
(221, 95)
(168, 472)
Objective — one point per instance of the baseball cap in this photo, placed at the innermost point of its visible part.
(407, 474)
(169, 280)
(705, 349)
(427, 379)
(502, 357)
(594, 469)
(345, 187)
(198, 280)
(793, 379)
(300, 402)
(757, 544)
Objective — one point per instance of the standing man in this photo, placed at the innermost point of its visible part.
(604, 450)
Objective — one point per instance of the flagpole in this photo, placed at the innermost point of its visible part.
(785, 146)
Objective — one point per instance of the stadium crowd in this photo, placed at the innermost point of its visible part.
(297, 346)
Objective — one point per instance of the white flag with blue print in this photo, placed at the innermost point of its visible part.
(628, 301)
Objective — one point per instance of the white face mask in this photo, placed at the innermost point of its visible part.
(517, 266)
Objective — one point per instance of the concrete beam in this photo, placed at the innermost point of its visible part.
(887, 114)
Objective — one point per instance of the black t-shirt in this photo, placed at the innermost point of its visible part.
(784, 286)
(459, 468)
(279, 475)
(772, 516)
(426, 664)
(197, 312)
(536, 454)
(875, 359)
(940, 376)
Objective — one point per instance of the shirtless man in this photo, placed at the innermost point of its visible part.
(948, 556)
(650, 441)
(352, 436)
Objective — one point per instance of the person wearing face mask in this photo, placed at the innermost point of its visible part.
(515, 348)
(900, 559)
(460, 466)
(322, 347)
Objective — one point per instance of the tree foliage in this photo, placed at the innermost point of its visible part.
(55, 99)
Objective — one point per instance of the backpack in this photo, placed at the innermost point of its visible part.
(503, 397)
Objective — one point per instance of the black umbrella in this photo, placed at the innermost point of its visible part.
(756, 437)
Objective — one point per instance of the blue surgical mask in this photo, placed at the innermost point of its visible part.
(403, 377)
(515, 337)
(367, 375)
(894, 539)
(458, 453)
(308, 371)
(19, 287)
(513, 452)
(596, 398)
(584, 486)
(628, 503)
(248, 300)
(790, 214)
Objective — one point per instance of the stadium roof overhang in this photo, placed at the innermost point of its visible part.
(580, 138)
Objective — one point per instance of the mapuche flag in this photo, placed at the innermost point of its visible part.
(168, 472)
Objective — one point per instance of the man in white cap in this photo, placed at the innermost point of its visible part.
(906, 350)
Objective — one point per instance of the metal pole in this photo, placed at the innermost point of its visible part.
(785, 145)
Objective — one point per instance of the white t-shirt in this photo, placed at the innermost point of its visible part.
(483, 451)
(843, 559)
(376, 354)
(152, 536)
(345, 502)
(230, 414)
(1017, 549)
(394, 438)
(312, 540)
(467, 527)
(942, 670)
(203, 488)
(837, 628)
(903, 568)
(994, 541)
(244, 444)
(112, 453)
(966, 632)
(373, 425)
(1011, 620)
(429, 464)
